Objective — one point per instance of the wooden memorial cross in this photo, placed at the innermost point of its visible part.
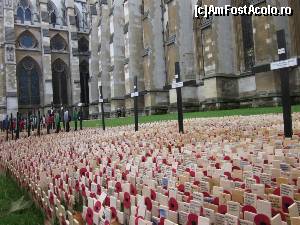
(102, 101)
(283, 65)
(178, 84)
(135, 96)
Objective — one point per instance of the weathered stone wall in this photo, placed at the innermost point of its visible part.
(117, 54)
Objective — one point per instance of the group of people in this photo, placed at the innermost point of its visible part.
(51, 121)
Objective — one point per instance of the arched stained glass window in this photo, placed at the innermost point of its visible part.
(28, 82)
(20, 14)
(24, 11)
(27, 14)
(59, 82)
(57, 43)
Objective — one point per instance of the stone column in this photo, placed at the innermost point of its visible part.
(94, 62)
(220, 84)
(2, 69)
(10, 58)
(104, 54)
(117, 55)
(154, 68)
(46, 53)
(133, 50)
(74, 58)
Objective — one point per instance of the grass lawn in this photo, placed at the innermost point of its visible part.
(11, 193)
(112, 122)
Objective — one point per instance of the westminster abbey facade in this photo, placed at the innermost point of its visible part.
(57, 53)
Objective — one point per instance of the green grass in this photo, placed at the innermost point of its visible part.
(9, 193)
(113, 122)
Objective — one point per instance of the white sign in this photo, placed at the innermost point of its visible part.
(177, 85)
(281, 51)
(284, 64)
(101, 100)
(134, 94)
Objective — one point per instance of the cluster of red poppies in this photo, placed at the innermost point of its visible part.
(238, 170)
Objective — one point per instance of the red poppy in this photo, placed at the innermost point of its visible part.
(82, 171)
(236, 168)
(222, 209)
(262, 219)
(192, 173)
(63, 221)
(77, 186)
(98, 189)
(180, 187)
(173, 205)
(118, 187)
(113, 212)
(192, 219)
(148, 203)
(196, 182)
(92, 195)
(89, 216)
(107, 201)
(51, 198)
(136, 221)
(282, 214)
(257, 179)
(97, 206)
(153, 195)
(127, 200)
(228, 175)
(133, 190)
(206, 194)
(217, 165)
(161, 221)
(124, 176)
(227, 158)
(227, 192)
(143, 159)
(277, 191)
(106, 222)
(215, 201)
(237, 180)
(83, 191)
(286, 203)
(249, 208)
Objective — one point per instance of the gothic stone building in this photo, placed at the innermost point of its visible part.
(58, 52)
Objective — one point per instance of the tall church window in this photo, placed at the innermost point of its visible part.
(84, 82)
(52, 12)
(24, 11)
(28, 82)
(59, 82)
(20, 14)
(27, 14)
(248, 43)
(78, 18)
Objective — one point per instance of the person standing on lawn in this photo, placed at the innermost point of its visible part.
(57, 122)
(75, 118)
(67, 120)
